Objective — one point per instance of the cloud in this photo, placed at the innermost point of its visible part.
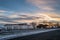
(28, 17)
(52, 14)
(5, 22)
(43, 4)
(57, 19)
(2, 11)
(46, 6)
(1, 14)
(23, 21)
(13, 16)
(17, 17)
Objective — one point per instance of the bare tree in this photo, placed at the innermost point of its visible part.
(34, 25)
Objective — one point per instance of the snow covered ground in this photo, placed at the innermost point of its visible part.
(23, 33)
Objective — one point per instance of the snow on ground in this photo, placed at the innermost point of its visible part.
(24, 33)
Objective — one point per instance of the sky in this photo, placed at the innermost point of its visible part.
(17, 11)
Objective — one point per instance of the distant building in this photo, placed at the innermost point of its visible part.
(18, 26)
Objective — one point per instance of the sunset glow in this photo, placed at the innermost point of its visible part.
(29, 11)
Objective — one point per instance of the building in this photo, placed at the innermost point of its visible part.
(18, 26)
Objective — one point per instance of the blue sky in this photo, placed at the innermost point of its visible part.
(16, 11)
(17, 6)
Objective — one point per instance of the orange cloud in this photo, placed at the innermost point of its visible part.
(53, 15)
(57, 19)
